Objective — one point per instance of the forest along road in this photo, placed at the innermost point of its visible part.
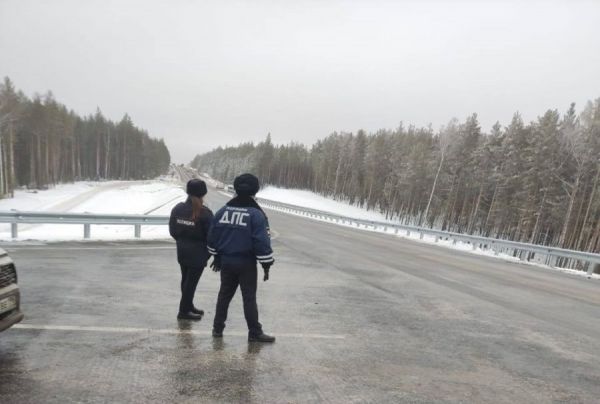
(359, 316)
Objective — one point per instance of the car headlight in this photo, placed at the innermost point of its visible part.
(8, 275)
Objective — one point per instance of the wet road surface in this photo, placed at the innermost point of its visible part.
(359, 316)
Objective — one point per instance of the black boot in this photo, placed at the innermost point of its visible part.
(261, 338)
(197, 311)
(217, 334)
(189, 315)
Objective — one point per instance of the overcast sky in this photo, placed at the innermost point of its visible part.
(202, 74)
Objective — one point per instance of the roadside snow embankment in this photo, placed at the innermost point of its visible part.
(311, 200)
(112, 197)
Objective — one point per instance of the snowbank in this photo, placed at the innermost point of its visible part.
(128, 197)
(49, 199)
(158, 198)
(312, 200)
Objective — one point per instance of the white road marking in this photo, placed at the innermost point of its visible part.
(165, 331)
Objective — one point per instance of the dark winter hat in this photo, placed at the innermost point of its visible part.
(246, 184)
(196, 187)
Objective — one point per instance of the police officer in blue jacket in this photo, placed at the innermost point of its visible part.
(238, 238)
(188, 225)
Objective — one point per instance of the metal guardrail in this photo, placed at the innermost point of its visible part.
(86, 219)
(524, 251)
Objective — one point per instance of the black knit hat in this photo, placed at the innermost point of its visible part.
(196, 187)
(246, 185)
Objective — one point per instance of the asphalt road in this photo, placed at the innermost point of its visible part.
(359, 316)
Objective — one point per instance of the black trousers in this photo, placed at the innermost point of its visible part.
(244, 276)
(189, 280)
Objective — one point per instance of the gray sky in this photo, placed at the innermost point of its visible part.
(202, 74)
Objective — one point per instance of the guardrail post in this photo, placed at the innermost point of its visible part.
(137, 230)
(14, 230)
(593, 267)
(421, 236)
(86, 230)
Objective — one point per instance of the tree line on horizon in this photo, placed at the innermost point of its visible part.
(535, 182)
(43, 143)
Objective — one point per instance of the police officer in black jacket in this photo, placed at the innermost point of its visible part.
(189, 225)
(238, 238)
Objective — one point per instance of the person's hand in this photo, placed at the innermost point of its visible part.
(216, 263)
(266, 266)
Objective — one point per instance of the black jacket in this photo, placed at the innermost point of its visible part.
(190, 236)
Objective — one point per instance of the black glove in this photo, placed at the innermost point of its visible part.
(266, 266)
(216, 263)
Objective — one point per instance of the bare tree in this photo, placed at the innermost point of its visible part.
(444, 139)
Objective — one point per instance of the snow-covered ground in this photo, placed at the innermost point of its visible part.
(312, 200)
(158, 197)
(155, 197)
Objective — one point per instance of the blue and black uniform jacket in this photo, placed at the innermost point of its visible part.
(240, 236)
(191, 236)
